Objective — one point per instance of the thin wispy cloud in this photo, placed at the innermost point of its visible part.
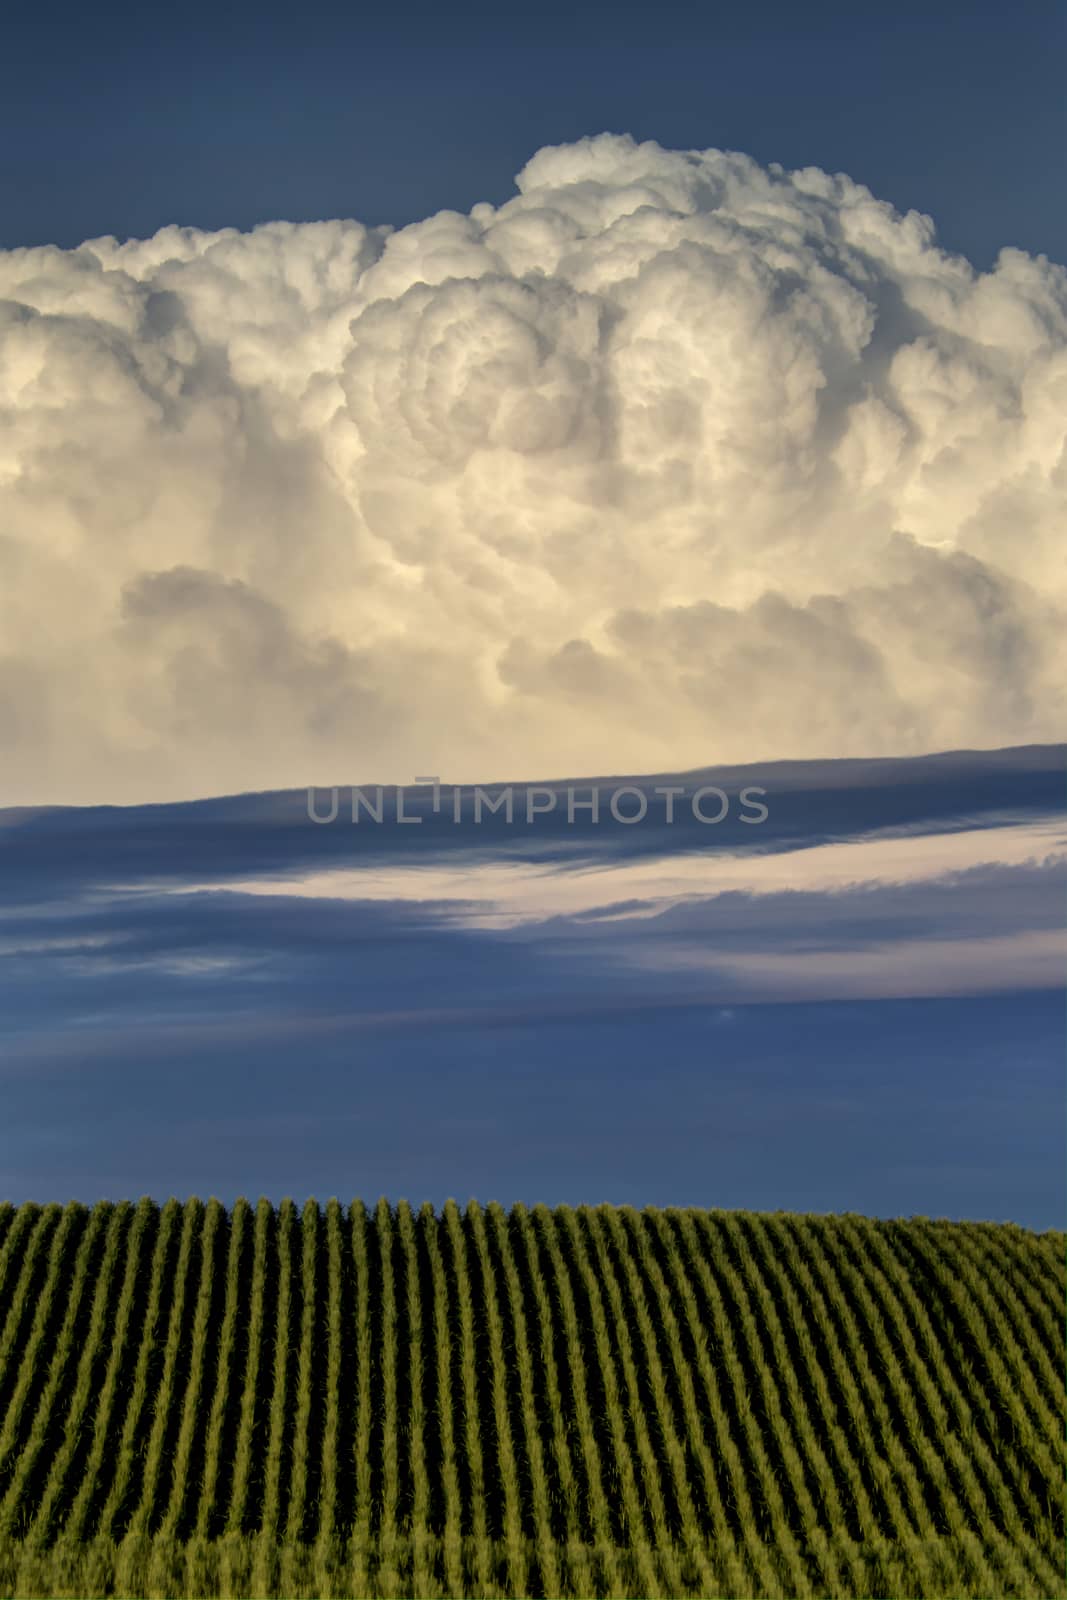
(506, 894)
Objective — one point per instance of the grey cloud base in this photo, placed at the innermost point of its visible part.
(669, 460)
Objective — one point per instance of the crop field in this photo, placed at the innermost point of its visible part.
(383, 1402)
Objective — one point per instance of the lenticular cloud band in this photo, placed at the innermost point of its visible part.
(671, 459)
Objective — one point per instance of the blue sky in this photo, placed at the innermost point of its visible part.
(122, 118)
(855, 1004)
(607, 431)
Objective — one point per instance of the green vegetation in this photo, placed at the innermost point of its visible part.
(255, 1402)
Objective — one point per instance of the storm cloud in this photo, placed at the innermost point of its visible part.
(669, 460)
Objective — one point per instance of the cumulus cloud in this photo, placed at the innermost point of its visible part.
(669, 460)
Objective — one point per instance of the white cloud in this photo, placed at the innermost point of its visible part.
(911, 968)
(504, 894)
(668, 461)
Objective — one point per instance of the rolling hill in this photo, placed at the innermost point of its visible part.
(255, 1401)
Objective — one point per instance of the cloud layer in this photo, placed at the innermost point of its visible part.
(856, 1005)
(670, 460)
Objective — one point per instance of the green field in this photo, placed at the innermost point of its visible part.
(601, 1401)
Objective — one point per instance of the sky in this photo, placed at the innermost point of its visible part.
(851, 1002)
(522, 398)
(121, 118)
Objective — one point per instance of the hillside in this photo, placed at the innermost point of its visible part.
(601, 1401)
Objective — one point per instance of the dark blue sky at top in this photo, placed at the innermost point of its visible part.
(119, 118)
